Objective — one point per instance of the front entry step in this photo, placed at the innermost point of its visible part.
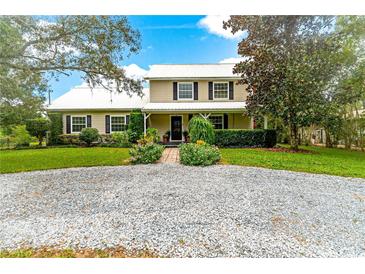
(172, 144)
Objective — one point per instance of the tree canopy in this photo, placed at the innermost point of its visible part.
(290, 65)
(33, 49)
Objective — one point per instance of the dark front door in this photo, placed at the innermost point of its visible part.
(176, 128)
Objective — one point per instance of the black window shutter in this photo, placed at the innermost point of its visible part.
(88, 120)
(107, 123)
(126, 121)
(225, 121)
(196, 91)
(230, 90)
(210, 90)
(190, 116)
(174, 90)
(68, 124)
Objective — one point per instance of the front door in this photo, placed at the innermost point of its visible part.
(176, 128)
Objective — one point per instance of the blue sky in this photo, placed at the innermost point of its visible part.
(171, 40)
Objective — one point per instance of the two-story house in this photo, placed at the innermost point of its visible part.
(175, 94)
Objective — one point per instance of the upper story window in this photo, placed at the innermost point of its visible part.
(185, 91)
(78, 123)
(220, 90)
(117, 123)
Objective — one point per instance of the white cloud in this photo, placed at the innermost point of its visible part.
(214, 25)
(233, 60)
(134, 71)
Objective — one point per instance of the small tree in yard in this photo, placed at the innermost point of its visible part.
(38, 127)
(136, 126)
(89, 135)
(201, 129)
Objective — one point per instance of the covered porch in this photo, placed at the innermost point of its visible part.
(174, 117)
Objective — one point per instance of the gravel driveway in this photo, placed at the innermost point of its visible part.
(183, 211)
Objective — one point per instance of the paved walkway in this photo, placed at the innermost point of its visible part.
(170, 155)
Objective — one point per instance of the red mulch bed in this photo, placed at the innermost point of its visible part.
(287, 150)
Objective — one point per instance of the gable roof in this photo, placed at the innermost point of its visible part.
(84, 98)
(189, 71)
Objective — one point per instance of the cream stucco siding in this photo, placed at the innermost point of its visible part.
(161, 91)
(97, 118)
(162, 121)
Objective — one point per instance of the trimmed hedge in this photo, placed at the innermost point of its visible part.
(245, 137)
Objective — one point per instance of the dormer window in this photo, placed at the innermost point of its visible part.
(185, 91)
(220, 90)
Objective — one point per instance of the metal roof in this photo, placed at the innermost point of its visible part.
(195, 106)
(83, 97)
(191, 71)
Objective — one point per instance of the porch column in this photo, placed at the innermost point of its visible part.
(252, 121)
(205, 115)
(145, 117)
(265, 122)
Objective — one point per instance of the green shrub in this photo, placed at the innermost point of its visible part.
(38, 127)
(21, 136)
(136, 125)
(200, 154)
(120, 139)
(145, 153)
(153, 134)
(6, 141)
(201, 129)
(89, 135)
(245, 137)
(56, 129)
(70, 139)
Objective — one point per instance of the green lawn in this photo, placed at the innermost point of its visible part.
(323, 160)
(37, 159)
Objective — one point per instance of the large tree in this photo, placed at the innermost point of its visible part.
(344, 100)
(289, 63)
(32, 49)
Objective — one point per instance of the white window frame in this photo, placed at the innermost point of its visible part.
(72, 131)
(221, 115)
(192, 91)
(214, 98)
(125, 122)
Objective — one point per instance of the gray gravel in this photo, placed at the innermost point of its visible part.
(183, 211)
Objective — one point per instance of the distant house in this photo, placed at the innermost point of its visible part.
(175, 94)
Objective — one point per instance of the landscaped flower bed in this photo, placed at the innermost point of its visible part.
(199, 154)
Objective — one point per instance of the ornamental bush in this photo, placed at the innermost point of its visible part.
(245, 137)
(201, 129)
(20, 136)
(89, 135)
(136, 125)
(38, 127)
(120, 139)
(56, 128)
(145, 153)
(199, 154)
(153, 133)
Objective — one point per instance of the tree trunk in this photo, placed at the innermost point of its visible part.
(294, 139)
(40, 139)
(329, 143)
